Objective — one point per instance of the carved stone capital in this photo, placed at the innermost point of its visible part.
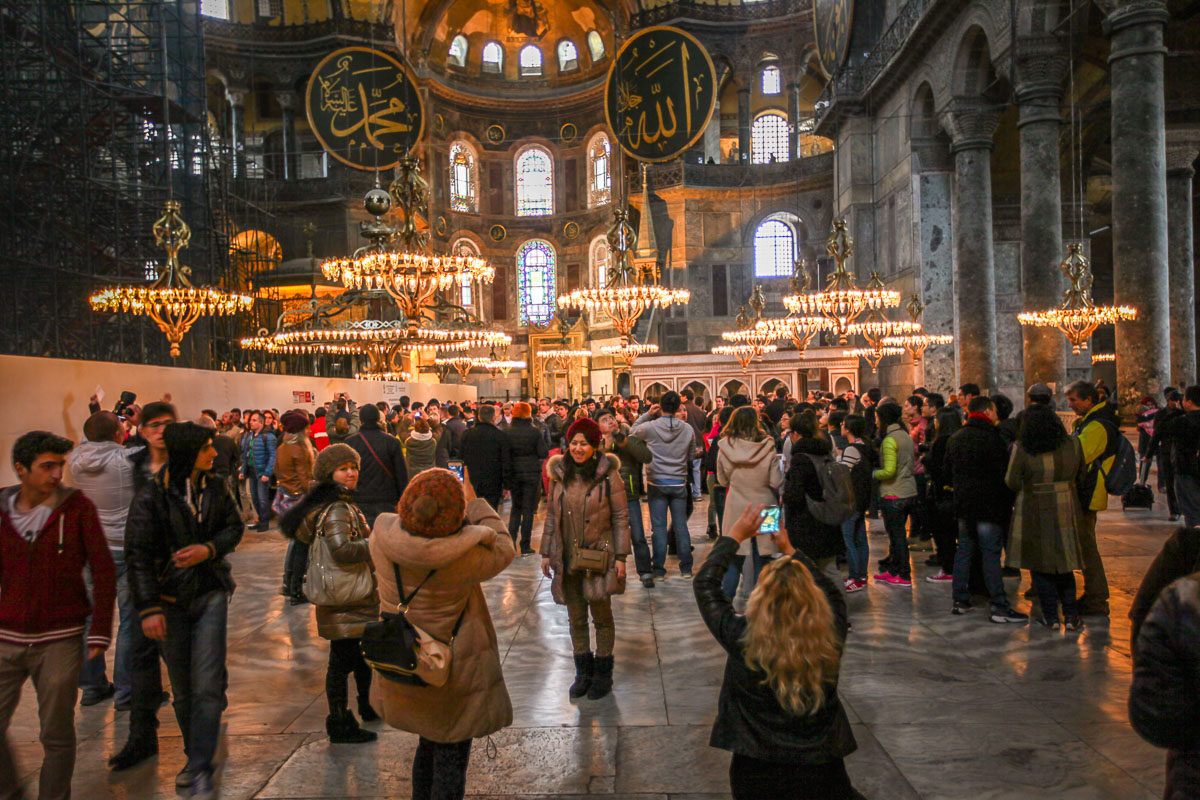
(236, 96)
(1042, 65)
(971, 123)
(1121, 14)
(1183, 145)
(287, 100)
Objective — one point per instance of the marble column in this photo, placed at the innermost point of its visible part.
(1182, 148)
(237, 130)
(288, 102)
(1041, 68)
(744, 125)
(1139, 196)
(793, 121)
(972, 123)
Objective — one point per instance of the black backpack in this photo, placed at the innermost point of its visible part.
(860, 475)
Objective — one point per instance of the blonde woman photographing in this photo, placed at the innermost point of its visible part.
(779, 712)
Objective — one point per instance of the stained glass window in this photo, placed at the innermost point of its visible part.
(458, 51)
(770, 80)
(769, 139)
(600, 175)
(462, 178)
(493, 57)
(568, 56)
(535, 183)
(536, 277)
(774, 249)
(595, 45)
(531, 60)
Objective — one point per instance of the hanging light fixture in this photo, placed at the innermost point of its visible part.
(630, 352)
(753, 336)
(873, 355)
(842, 302)
(1078, 317)
(916, 342)
(497, 364)
(1103, 358)
(744, 353)
(463, 364)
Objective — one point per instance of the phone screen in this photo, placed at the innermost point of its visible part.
(770, 523)
(457, 468)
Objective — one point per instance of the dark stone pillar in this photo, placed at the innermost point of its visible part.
(237, 130)
(1041, 67)
(1139, 196)
(1182, 148)
(971, 124)
(744, 126)
(287, 102)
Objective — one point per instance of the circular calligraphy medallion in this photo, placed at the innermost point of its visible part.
(832, 20)
(571, 230)
(440, 226)
(568, 133)
(494, 134)
(660, 93)
(497, 233)
(364, 108)
(439, 124)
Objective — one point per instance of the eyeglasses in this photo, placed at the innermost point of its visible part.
(162, 423)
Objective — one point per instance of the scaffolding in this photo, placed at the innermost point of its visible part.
(86, 89)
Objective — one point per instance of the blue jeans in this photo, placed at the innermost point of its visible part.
(858, 552)
(260, 491)
(195, 655)
(675, 498)
(93, 671)
(733, 575)
(697, 480)
(637, 535)
(988, 538)
(895, 511)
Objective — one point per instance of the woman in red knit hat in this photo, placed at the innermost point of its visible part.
(587, 515)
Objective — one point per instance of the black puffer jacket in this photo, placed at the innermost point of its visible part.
(806, 533)
(1180, 556)
(976, 460)
(1164, 700)
(487, 458)
(382, 471)
(527, 448)
(750, 720)
(160, 523)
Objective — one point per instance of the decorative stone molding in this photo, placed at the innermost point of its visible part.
(1042, 65)
(1127, 13)
(236, 96)
(287, 100)
(971, 123)
(1183, 145)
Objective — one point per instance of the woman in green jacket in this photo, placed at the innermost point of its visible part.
(897, 494)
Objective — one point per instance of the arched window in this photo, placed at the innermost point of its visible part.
(531, 61)
(595, 44)
(774, 249)
(493, 57)
(769, 139)
(458, 51)
(535, 285)
(568, 56)
(770, 80)
(466, 248)
(535, 183)
(599, 257)
(599, 171)
(462, 178)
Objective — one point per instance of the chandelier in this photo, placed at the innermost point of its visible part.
(753, 336)
(411, 276)
(918, 341)
(873, 355)
(744, 353)
(1078, 317)
(1101, 358)
(562, 356)
(463, 364)
(842, 302)
(629, 352)
(171, 300)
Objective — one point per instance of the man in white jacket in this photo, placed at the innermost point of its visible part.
(101, 468)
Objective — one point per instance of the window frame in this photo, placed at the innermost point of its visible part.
(762, 80)
(599, 37)
(756, 143)
(519, 194)
(470, 199)
(599, 195)
(461, 62)
(569, 64)
(549, 272)
(528, 71)
(492, 67)
(467, 296)
(793, 236)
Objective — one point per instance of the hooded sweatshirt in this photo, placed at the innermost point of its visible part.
(671, 442)
(104, 471)
(750, 470)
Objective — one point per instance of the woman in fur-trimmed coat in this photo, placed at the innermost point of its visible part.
(586, 509)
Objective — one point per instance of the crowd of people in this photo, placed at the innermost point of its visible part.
(394, 512)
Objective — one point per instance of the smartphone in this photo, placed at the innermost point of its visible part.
(770, 523)
(456, 467)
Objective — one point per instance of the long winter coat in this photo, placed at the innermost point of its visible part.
(474, 701)
(328, 510)
(750, 472)
(294, 464)
(814, 538)
(606, 512)
(1045, 524)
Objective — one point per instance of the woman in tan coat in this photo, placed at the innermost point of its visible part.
(446, 536)
(294, 476)
(748, 467)
(586, 509)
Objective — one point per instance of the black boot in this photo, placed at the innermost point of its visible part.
(343, 728)
(583, 675)
(602, 678)
(133, 753)
(366, 711)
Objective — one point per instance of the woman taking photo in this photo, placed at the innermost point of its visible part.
(748, 468)
(779, 712)
(445, 536)
(584, 545)
(328, 510)
(1045, 467)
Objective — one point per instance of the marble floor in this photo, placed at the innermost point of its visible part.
(942, 706)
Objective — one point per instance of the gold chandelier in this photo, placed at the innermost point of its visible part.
(842, 302)
(1101, 358)
(917, 341)
(744, 353)
(171, 301)
(753, 336)
(629, 352)
(873, 355)
(562, 356)
(1078, 317)
(462, 364)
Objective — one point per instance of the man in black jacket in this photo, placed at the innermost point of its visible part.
(976, 460)
(528, 451)
(777, 406)
(383, 475)
(697, 419)
(180, 528)
(1183, 433)
(1161, 449)
(487, 456)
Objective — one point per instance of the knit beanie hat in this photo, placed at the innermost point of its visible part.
(294, 421)
(522, 410)
(588, 427)
(368, 415)
(332, 457)
(433, 505)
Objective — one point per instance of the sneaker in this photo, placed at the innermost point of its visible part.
(648, 581)
(97, 694)
(960, 608)
(687, 576)
(896, 580)
(186, 777)
(202, 787)
(1046, 622)
(854, 585)
(1074, 624)
(124, 704)
(1009, 614)
(133, 753)
(882, 577)
(527, 551)
(848, 584)
(941, 577)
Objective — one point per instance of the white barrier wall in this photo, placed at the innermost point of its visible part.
(52, 394)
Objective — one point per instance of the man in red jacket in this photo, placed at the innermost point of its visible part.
(48, 534)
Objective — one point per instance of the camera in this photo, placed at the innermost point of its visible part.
(127, 399)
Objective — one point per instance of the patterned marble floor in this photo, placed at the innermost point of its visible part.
(942, 706)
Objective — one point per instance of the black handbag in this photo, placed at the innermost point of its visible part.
(402, 652)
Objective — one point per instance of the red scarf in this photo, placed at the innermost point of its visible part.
(982, 416)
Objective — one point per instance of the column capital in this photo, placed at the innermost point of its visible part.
(236, 95)
(1042, 66)
(971, 123)
(1120, 14)
(1183, 145)
(287, 99)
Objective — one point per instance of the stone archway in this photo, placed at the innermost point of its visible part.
(655, 391)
